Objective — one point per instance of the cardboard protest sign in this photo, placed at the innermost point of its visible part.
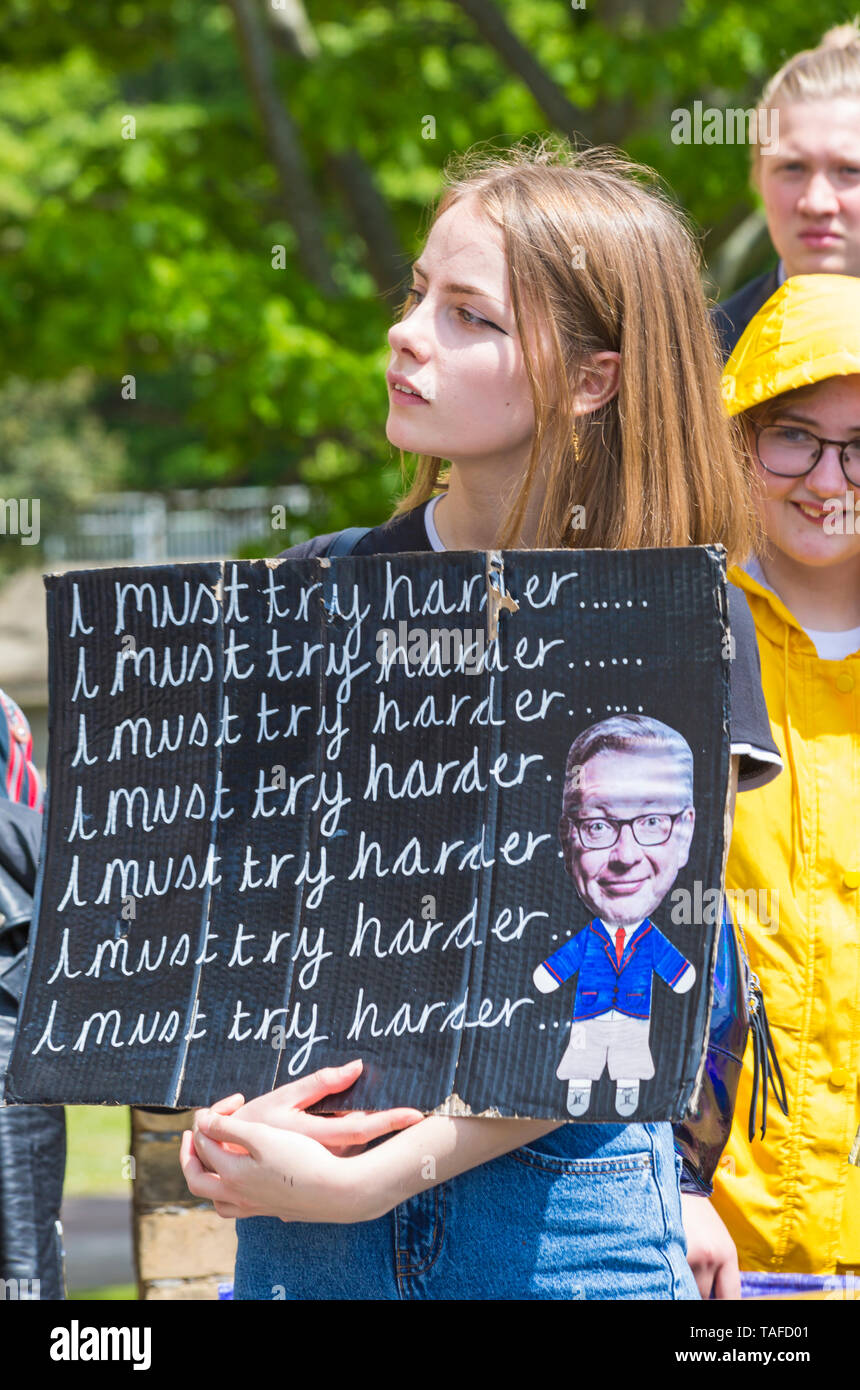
(458, 814)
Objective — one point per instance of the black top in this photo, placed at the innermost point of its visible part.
(399, 535)
(731, 318)
(751, 737)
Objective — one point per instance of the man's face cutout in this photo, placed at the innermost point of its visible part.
(624, 883)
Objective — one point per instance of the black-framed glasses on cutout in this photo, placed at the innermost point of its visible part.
(602, 832)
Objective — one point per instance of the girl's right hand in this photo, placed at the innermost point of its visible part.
(343, 1135)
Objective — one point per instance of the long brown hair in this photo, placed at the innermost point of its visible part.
(598, 261)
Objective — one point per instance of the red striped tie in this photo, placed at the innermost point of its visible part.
(619, 944)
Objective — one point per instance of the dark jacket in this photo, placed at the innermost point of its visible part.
(32, 1137)
(732, 317)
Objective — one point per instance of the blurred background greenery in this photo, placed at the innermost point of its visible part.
(208, 211)
(97, 1141)
(221, 201)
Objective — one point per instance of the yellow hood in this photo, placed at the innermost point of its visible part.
(806, 332)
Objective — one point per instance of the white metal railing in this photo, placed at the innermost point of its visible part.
(150, 528)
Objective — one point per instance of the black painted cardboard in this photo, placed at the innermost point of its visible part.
(241, 713)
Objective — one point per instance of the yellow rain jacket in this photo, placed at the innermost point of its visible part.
(792, 1200)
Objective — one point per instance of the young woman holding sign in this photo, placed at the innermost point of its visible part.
(555, 351)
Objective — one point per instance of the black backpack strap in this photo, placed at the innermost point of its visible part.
(344, 542)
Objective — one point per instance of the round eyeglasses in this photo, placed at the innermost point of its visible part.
(792, 452)
(599, 832)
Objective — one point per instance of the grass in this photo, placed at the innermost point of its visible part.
(108, 1293)
(97, 1141)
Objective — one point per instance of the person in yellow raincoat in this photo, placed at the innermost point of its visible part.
(791, 1200)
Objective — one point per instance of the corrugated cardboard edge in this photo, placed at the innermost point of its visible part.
(721, 594)
(456, 1108)
(453, 1105)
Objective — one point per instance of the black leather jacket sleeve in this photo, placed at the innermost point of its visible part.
(32, 1137)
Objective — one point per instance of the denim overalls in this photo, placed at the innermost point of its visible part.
(589, 1211)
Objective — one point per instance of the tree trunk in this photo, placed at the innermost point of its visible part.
(495, 31)
(727, 265)
(300, 200)
(292, 30)
(386, 258)
(613, 120)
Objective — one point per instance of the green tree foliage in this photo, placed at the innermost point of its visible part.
(55, 450)
(249, 297)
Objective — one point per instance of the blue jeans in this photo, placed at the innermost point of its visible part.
(589, 1211)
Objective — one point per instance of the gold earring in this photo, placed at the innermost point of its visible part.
(575, 442)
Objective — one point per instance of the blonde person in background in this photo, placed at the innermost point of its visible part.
(809, 178)
(791, 1200)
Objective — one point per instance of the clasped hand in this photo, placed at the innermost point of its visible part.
(271, 1158)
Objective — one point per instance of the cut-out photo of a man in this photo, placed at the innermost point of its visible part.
(626, 826)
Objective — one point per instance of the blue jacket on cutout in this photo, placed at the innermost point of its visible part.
(602, 983)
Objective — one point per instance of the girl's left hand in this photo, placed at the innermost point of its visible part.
(252, 1169)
